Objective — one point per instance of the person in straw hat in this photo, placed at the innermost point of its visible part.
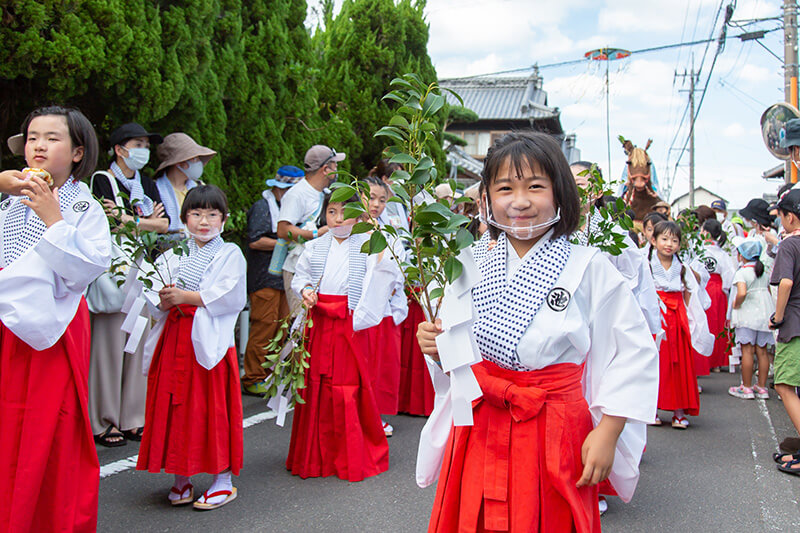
(182, 164)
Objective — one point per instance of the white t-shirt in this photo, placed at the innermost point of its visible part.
(300, 207)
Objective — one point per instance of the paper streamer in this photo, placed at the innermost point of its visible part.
(136, 335)
(130, 320)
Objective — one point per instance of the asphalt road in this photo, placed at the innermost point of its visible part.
(716, 476)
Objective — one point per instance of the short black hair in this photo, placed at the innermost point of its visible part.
(587, 165)
(653, 217)
(534, 148)
(205, 197)
(81, 133)
(374, 180)
(323, 220)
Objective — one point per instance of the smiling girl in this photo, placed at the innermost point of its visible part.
(566, 360)
(193, 414)
(54, 243)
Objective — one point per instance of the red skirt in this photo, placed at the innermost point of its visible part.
(49, 473)
(384, 359)
(515, 469)
(677, 384)
(716, 322)
(416, 389)
(338, 430)
(193, 416)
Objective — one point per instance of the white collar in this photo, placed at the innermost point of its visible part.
(514, 261)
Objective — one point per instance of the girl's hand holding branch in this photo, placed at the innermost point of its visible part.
(426, 337)
(309, 297)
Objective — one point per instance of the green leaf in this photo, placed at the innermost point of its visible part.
(438, 292)
(396, 96)
(377, 242)
(458, 96)
(400, 121)
(425, 163)
(392, 132)
(403, 159)
(361, 227)
(342, 194)
(464, 238)
(399, 175)
(433, 103)
(420, 176)
(452, 268)
(353, 210)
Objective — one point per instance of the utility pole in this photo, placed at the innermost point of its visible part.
(790, 68)
(691, 137)
(693, 77)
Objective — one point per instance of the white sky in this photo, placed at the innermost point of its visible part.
(469, 37)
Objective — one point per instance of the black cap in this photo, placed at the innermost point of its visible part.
(757, 209)
(790, 202)
(132, 130)
(791, 133)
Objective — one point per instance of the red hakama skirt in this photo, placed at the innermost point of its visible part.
(193, 416)
(416, 389)
(338, 430)
(49, 473)
(677, 382)
(716, 322)
(515, 469)
(384, 359)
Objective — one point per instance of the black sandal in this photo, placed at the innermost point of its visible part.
(787, 467)
(104, 439)
(777, 457)
(134, 434)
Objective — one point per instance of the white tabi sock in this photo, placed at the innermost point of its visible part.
(181, 483)
(222, 481)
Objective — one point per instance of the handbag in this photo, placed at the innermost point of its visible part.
(103, 294)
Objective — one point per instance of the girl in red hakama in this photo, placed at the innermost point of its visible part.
(193, 415)
(721, 268)
(416, 391)
(559, 373)
(677, 389)
(54, 243)
(338, 430)
(385, 338)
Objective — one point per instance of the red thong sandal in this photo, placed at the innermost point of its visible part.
(204, 506)
(180, 492)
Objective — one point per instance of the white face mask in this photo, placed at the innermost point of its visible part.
(137, 158)
(342, 232)
(522, 232)
(193, 171)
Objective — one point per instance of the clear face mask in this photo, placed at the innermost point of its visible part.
(342, 232)
(213, 234)
(523, 230)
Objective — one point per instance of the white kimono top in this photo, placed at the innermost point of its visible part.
(718, 261)
(43, 287)
(223, 289)
(381, 278)
(670, 281)
(596, 321)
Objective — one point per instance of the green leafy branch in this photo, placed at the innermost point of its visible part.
(606, 234)
(692, 242)
(437, 234)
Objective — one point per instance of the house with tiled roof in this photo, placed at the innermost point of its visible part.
(504, 105)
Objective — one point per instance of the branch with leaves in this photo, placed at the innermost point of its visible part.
(604, 233)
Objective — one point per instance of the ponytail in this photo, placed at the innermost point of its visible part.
(759, 268)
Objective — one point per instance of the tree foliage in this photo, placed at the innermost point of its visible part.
(242, 77)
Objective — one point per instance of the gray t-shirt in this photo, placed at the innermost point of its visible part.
(787, 266)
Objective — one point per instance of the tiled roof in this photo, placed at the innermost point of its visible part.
(502, 98)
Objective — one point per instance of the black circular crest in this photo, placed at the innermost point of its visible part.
(5, 204)
(558, 298)
(80, 207)
(711, 264)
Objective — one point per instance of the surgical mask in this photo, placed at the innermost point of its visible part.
(522, 231)
(137, 158)
(193, 171)
(342, 232)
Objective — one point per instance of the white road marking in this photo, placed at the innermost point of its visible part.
(128, 463)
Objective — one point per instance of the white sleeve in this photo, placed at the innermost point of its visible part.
(78, 255)
(302, 270)
(228, 293)
(291, 209)
(381, 279)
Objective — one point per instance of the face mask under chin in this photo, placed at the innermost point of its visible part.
(342, 232)
(522, 232)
